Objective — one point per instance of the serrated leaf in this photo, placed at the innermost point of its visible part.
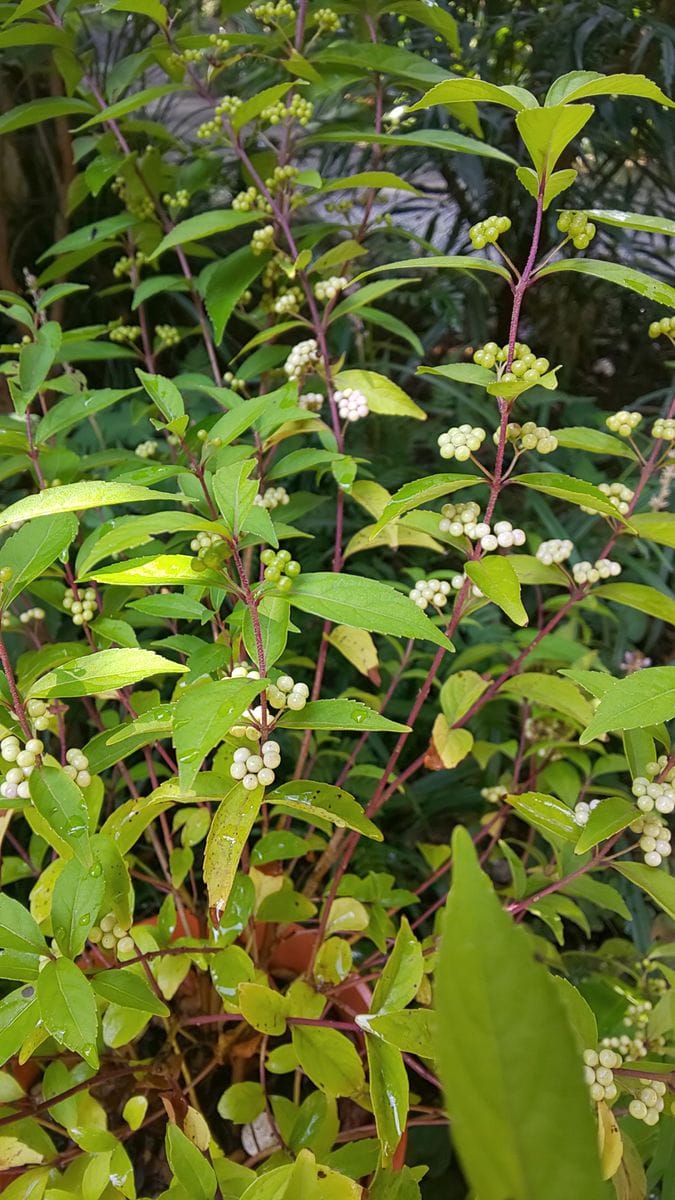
(74, 497)
(327, 803)
(68, 1008)
(60, 803)
(34, 548)
(657, 884)
(614, 272)
(383, 396)
(574, 491)
(636, 702)
(363, 603)
(130, 990)
(228, 835)
(640, 596)
(422, 491)
(194, 229)
(329, 1059)
(76, 901)
(608, 817)
(203, 716)
(339, 714)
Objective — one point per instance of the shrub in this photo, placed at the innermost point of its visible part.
(242, 764)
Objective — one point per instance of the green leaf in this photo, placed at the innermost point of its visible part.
(164, 393)
(579, 1013)
(76, 902)
(241, 1102)
(204, 714)
(636, 702)
(74, 410)
(40, 110)
(574, 491)
(102, 671)
(234, 493)
(73, 497)
(228, 835)
(498, 581)
(363, 296)
(129, 989)
(439, 262)
(32, 549)
(470, 373)
(434, 139)
(501, 1024)
(546, 813)
(131, 103)
(578, 437)
(656, 883)
(608, 817)
(191, 1169)
(629, 220)
(413, 1030)
(459, 91)
(218, 220)
(19, 1016)
(263, 1008)
(158, 285)
(226, 283)
(557, 182)
(36, 360)
(363, 604)
(325, 802)
(400, 980)
(383, 396)
(274, 620)
(641, 597)
(125, 824)
(18, 929)
(614, 272)
(68, 1008)
(329, 1059)
(160, 570)
(422, 491)
(62, 806)
(339, 714)
(88, 236)
(579, 85)
(389, 1094)
(657, 527)
(547, 131)
(550, 691)
(114, 745)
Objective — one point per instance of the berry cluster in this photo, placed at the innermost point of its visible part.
(664, 427)
(237, 385)
(433, 592)
(602, 568)
(599, 1073)
(503, 535)
(167, 335)
(583, 810)
(648, 1104)
(555, 550)
(269, 12)
(288, 302)
(280, 568)
(623, 422)
(494, 795)
(351, 403)
(629, 1048)
(203, 542)
(618, 495)
(249, 199)
(653, 795)
(15, 784)
(82, 606)
(147, 449)
(665, 326)
(272, 498)
(38, 714)
(299, 109)
(302, 358)
(226, 107)
(327, 20)
(328, 289)
(128, 264)
(638, 1013)
(577, 227)
(486, 232)
(242, 670)
(525, 364)
(286, 693)
(256, 770)
(461, 442)
(77, 767)
(529, 437)
(654, 839)
(125, 333)
(312, 401)
(460, 519)
(110, 935)
(262, 240)
(31, 614)
(179, 201)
